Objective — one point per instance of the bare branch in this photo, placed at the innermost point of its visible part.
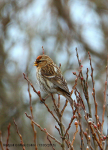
(1, 141)
(44, 130)
(22, 143)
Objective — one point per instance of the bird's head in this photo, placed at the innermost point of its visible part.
(42, 60)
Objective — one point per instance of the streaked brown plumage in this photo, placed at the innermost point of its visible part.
(50, 77)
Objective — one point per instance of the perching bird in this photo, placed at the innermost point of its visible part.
(50, 78)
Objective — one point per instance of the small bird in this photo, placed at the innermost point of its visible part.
(50, 78)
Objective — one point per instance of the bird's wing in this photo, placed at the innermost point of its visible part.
(53, 74)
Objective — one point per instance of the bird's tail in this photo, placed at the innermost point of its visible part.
(68, 97)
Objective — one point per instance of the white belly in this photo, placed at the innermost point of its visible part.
(45, 84)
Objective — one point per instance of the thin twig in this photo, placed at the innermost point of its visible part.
(22, 143)
(58, 130)
(8, 136)
(44, 130)
(88, 138)
(50, 142)
(71, 121)
(76, 124)
(107, 130)
(107, 113)
(62, 111)
(31, 109)
(104, 103)
(43, 50)
(79, 119)
(58, 101)
(95, 137)
(84, 83)
(93, 93)
(1, 141)
(30, 84)
(87, 95)
(56, 107)
(74, 86)
(60, 123)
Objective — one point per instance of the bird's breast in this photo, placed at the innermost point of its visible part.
(44, 83)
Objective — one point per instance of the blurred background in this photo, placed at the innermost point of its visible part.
(59, 26)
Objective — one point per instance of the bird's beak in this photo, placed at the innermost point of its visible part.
(35, 63)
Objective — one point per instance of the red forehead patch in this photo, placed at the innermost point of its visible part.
(39, 57)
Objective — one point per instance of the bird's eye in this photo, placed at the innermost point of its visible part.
(38, 61)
